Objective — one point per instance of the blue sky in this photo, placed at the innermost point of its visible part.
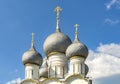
(99, 27)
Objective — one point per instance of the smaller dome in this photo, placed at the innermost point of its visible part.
(44, 69)
(44, 72)
(56, 42)
(77, 48)
(32, 56)
(86, 69)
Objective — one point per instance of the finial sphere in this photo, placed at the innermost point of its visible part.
(58, 9)
(76, 25)
(32, 36)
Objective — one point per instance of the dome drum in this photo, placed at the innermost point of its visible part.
(59, 59)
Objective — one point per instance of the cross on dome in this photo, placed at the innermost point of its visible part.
(32, 44)
(76, 33)
(58, 10)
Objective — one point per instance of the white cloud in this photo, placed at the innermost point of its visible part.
(112, 3)
(112, 49)
(111, 22)
(104, 62)
(16, 81)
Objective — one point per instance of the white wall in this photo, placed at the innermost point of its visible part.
(32, 71)
(77, 66)
(58, 65)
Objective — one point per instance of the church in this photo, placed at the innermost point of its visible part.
(64, 62)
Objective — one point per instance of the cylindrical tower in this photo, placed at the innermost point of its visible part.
(54, 47)
(77, 53)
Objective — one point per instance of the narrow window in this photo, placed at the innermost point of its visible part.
(55, 71)
(73, 68)
(32, 72)
(78, 68)
(63, 72)
(81, 68)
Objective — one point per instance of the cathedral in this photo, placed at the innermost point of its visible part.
(64, 62)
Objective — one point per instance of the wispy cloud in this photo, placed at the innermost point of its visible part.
(115, 3)
(15, 81)
(111, 22)
(15, 71)
(110, 4)
(104, 61)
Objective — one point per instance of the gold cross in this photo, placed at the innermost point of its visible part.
(76, 33)
(57, 10)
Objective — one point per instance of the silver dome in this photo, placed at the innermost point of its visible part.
(56, 42)
(77, 49)
(32, 56)
(44, 72)
(44, 69)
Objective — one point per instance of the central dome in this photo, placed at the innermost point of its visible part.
(56, 42)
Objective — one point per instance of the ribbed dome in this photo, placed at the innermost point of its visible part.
(56, 42)
(32, 56)
(77, 48)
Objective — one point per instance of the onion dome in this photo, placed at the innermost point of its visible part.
(32, 56)
(56, 42)
(77, 48)
(44, 69)
(86, 69)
